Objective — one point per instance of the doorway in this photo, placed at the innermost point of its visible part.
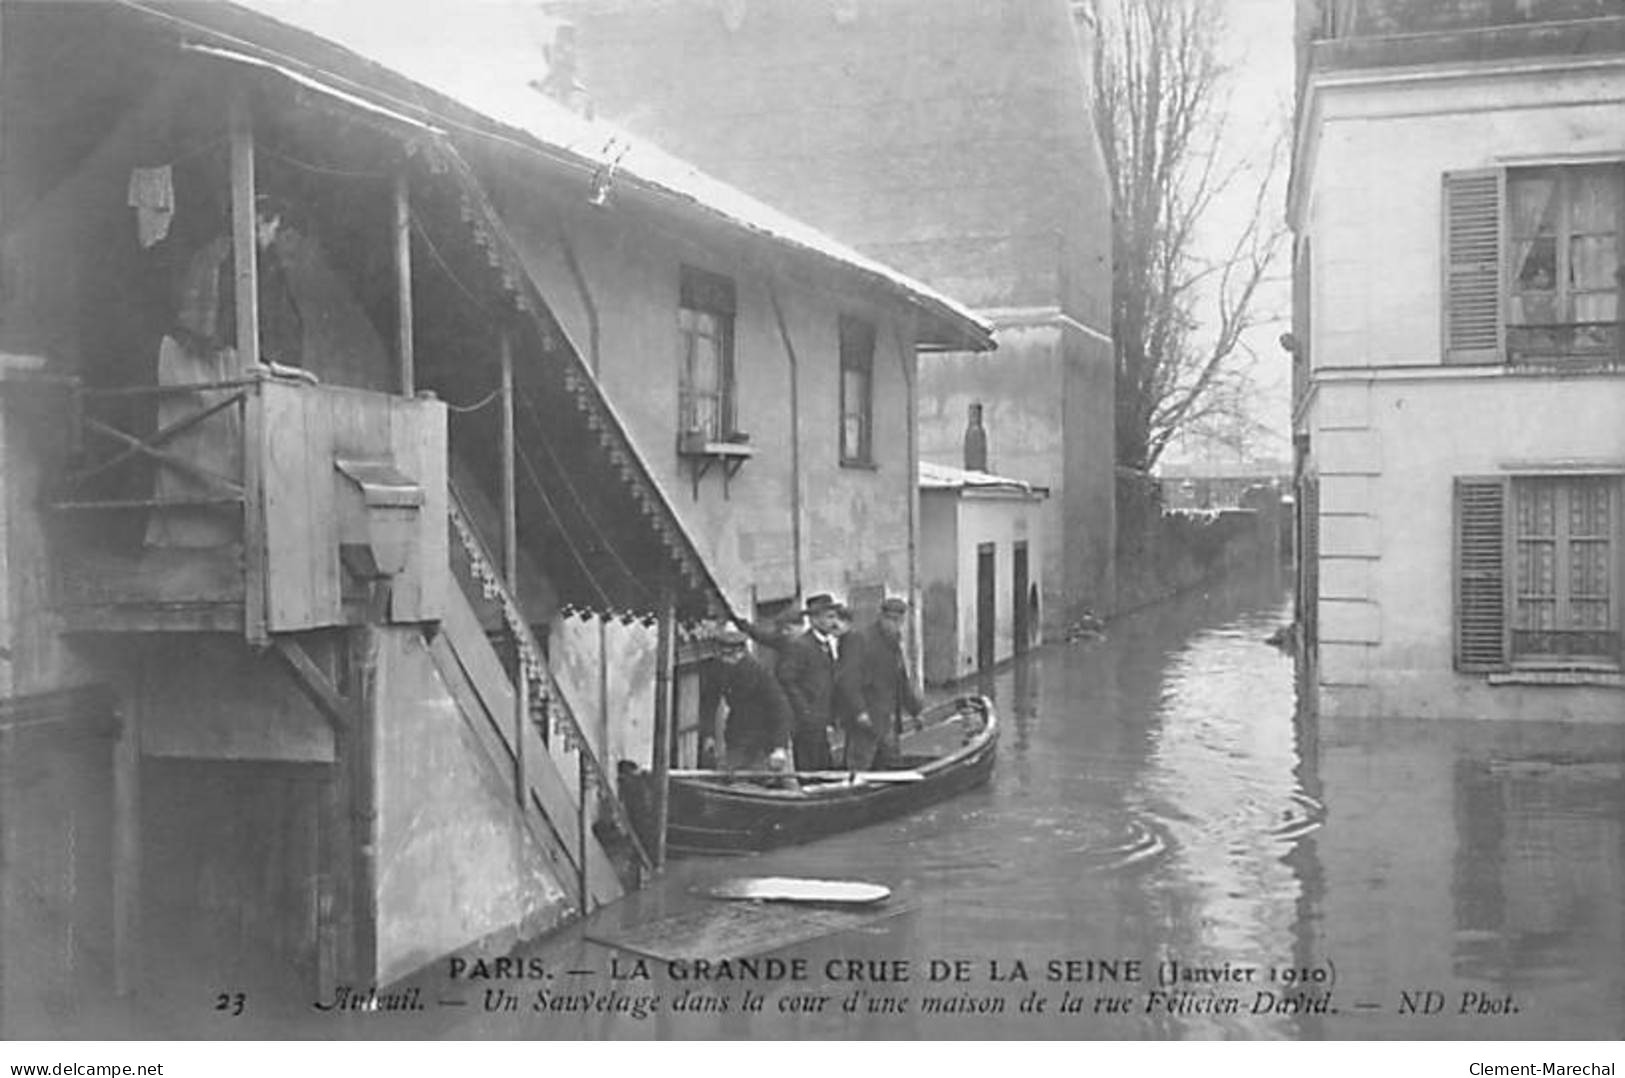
(986, 604)
(1020, 627)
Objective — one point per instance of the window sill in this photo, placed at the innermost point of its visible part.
(695, 447)
(860, 465)
(1602, 679)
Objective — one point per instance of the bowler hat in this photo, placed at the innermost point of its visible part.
(821, 602)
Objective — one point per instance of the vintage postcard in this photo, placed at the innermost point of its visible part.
(948, 520)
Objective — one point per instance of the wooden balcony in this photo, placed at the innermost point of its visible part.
(260, 505)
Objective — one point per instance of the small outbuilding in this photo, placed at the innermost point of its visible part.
(981, 569)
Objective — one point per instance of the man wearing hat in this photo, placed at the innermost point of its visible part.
(879, 689)
(806, 668)
(758, 729)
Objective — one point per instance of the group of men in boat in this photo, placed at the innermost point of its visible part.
(808, 690)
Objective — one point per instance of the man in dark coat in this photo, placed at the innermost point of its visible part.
(759, 718)
(806, 669)
(877, 690)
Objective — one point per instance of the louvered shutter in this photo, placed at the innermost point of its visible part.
(1473, 327)
(1481, 574)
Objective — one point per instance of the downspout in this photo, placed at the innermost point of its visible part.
(795, 438)
(908, 359)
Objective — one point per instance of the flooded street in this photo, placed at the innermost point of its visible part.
(1157, 800)
(1165, 850)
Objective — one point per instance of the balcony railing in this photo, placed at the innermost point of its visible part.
(254, 505)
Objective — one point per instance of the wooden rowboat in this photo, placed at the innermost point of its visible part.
(718, 813)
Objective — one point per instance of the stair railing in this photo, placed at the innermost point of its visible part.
(549, 707)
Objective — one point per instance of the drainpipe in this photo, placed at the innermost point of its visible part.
(795, 437)
(908, 360)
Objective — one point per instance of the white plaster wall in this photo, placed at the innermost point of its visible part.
(1386, 573)
(1387, 448)
(1002, 522)
(1374, 190)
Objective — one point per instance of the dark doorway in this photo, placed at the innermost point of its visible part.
(1020, 627)
(986, 604)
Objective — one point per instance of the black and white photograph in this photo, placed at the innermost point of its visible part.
(812, 520)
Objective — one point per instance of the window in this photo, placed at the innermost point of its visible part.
(1532, 266)
(857, 391)
(705, 322)
(1537, 571)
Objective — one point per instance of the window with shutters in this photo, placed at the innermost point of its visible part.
(1532, 264)
(1537, 571)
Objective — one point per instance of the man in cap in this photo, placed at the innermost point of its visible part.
(758, 729)
(806, 669)
(877, 689)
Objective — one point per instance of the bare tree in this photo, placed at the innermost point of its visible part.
(1178, 314)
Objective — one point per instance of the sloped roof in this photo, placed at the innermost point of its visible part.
(947, 477)
(491, 95)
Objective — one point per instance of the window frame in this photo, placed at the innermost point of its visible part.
(858, 340)
(1562, 541)
(1473, 605)
(713, 295)
(1466, 272)
(1564, 176)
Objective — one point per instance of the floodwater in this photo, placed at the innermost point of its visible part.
(1167, 849)
(1157, 800)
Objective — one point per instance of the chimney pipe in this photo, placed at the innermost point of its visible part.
(975, 441)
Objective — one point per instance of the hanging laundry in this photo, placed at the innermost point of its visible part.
(152, 194)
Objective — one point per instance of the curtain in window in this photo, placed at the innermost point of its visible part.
(1534, 214)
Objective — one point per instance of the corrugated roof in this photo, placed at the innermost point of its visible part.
(947, 477)
(496, 85)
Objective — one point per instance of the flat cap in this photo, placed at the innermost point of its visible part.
(894, 605)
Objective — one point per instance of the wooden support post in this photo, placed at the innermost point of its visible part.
(243, 226)
(510, 560)
(127, 833)
(370, 700)
(403, 285)
(665, 662)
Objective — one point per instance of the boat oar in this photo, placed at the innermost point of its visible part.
(805, 776)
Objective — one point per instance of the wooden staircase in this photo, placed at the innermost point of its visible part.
(536, 737)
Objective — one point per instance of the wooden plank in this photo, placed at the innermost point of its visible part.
(255, 629)
(290, 531)
(154, 618)
(314, 683)
(159, 575)
(796, 889)
(418, 448)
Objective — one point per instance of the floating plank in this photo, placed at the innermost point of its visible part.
(793, 889)
(735, 930)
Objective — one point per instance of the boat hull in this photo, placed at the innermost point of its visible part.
(709, 817)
